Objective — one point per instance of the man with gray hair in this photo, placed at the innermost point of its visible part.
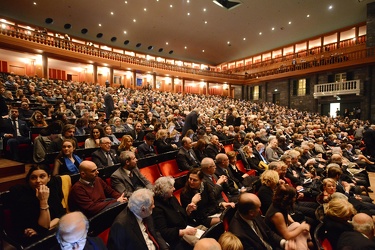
(105, 156)
(128, 178)
(133, 228)
(362, 237)
(72, 233)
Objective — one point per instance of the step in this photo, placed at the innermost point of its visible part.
(9, 168)
(7, 182)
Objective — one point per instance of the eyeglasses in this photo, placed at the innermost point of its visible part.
(72, 245)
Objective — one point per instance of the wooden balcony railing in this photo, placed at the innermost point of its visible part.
(337, 88)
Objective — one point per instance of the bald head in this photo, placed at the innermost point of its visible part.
(248, 205)
(363, 223)
(207, 244)
(72, 227)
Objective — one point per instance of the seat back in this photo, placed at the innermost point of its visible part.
(5, 221)
(227, 216)
(152, 172)
(214, 231)
(177, 194)
(228, 148)
(169, 168)
(103, 221)
(241, 166)
(47, 242)
(322, 243)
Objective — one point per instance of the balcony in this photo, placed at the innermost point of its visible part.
(337, 88)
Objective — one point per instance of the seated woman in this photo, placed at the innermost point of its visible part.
(162, 143)
(269, 180)
(199, 149)
(198, 193)
(117, 126)
(336, 221)
(69, 114)
(170, 218)
(329, 188)
(37, 119)
(279, 220)
(126, 144)
(110, 135)
(66, 161)
(36, 206)
(237, 142)
(93, 141)
(81, 126)
(251, 159)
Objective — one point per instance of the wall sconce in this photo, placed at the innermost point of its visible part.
(225, 86)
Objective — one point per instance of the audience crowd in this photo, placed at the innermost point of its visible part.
(294, 164)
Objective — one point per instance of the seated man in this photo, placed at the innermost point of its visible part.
(72, 233)
(104, 156)
(137, 133)
(67, 133)
(362, 237)
(133, 228)
(186, 158)
(250, 228)
(91, 194)
(127, 178)
(214, 148)
(15, 132)
(147, 147)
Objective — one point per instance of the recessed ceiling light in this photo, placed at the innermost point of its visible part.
(34, 3)
(126, 2)
(330, 7)
(112, 13)
(260, 33)
(100, 25)
(171, 6)
(134, 20)
(273, 28)
(145, 9)
(185, 47)
(188, 1)
(203, 50)
(290, 22)
(228, 42)
(244, 38)
(188, 14)
(308, 15)
(125, 32)
(166, 43)
(205, 22)
(204, 9)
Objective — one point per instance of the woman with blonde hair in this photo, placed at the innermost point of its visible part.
(162, 142)
(37, 119)
(126, 144)
(229, 241)
(269, 180)
(338, 214)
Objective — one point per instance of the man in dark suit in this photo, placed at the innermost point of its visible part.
(191, 121)
(147, 148)
(133, 228)
(105, 156)
(222, 168)
(214, 148)
(362, 237)
(127, 178)
(137, 133)
(250, 227)
(15, 132)
(186, 158)
(369, 140)
(108, 102)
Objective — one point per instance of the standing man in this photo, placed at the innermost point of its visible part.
(191, 121)
(105, 156)
(133, 228)
(15, 132)
(108, 102)
(91, 194)
(127, 178)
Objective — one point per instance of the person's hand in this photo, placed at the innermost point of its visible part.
(29, 232)
(196, 198)
(122, 199)
(222, 179)
(305, 226)
(191, 207)
(42, 193)
(189, 231)
(8, 135)
(228, 204)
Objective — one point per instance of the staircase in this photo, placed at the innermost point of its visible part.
(11, 173)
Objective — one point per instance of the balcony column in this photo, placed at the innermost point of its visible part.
(183, 87)
(95, 72)
(111, 76)
(172, 85)
(45, 72)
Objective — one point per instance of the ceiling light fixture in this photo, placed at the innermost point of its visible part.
(228, 4)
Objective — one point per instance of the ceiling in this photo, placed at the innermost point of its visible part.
(195, 30)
